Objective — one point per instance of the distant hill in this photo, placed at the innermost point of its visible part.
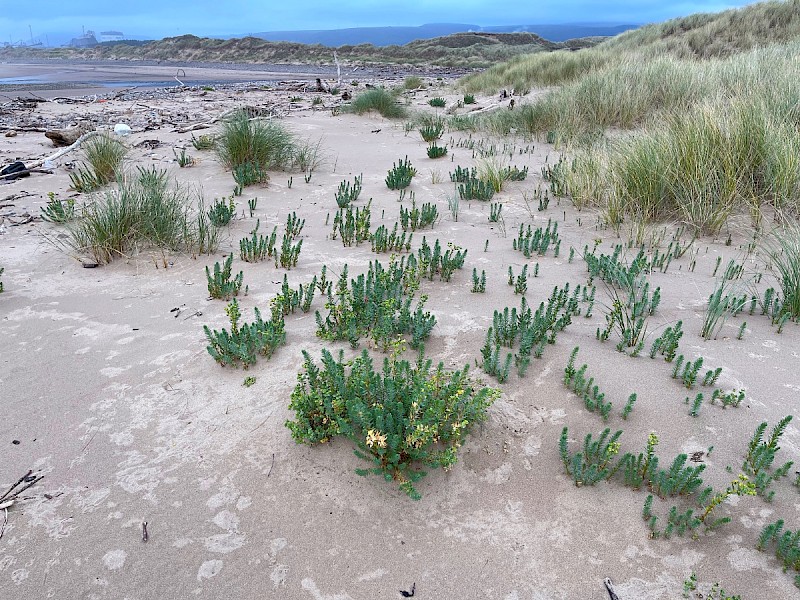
(463, 50)
(389, 36)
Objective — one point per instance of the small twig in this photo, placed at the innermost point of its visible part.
(610, 588)
(5, 520)
(21, 479)
(271, 465)
(145, 537)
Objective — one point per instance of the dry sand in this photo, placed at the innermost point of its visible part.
(113, 397)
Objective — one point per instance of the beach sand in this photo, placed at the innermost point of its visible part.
(111, 395)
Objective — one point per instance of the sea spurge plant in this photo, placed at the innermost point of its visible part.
(682, 522)
(532, 330)
(400, 175)
(245, 341)
(220, 284)
(462, 175)
(595, 462)
(258, 247)
(432, 131)
(352, 226)
(577, 381)
(289, 253)
(418, 217)
(537, 241)
(514, 173)
(385, 241)
(433, 261)
(222, 211)
(478, 283)
(435, 151)
(761, 453)
(379, 304)
(475, 189)
(787, 545)
(346, 194)
(667, 343)
(401, 419)
(294, 226)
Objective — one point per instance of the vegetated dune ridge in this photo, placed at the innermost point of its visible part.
(467, 49)
(109, 392)
(694, 119)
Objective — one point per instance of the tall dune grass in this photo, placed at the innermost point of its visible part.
(698, 167)
(379, 100)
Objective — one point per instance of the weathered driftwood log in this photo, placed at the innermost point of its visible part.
(68, 136)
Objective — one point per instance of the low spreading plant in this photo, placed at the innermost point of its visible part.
(289, 253)
(520, 282)
(667, 343)
(290, 300)
(437, 102)
(494, 211)
(432, 261)
(401, 418)
(58, 211)
(514, 173)
(681, 522)
(294, 226)
(593, 398)
(204, 142)
(246, 341)
(595, 462)
(247, 174)
(469, 99)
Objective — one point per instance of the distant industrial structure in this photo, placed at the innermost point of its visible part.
(87, 40)
(111, 36)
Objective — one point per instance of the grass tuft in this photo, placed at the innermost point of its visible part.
(379, 100)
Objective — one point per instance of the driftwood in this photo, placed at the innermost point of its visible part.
(68, 136)
(475, 111)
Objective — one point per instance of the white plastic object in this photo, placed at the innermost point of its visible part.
(122, 129)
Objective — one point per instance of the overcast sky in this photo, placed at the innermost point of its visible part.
(161, 18)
